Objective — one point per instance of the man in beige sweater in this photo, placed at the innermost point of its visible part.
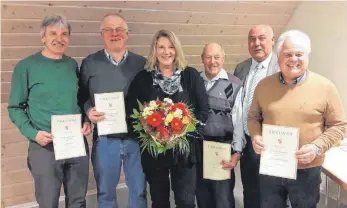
(303, 99)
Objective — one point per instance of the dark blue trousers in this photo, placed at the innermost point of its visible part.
(216, 194)
(303, 192)
(249, 165)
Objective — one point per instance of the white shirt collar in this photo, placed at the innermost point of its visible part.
(265, 63)
(221, 75)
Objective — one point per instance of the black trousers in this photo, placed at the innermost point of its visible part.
(50, 174)
(215, 194)
(249, 165)
(183, 184)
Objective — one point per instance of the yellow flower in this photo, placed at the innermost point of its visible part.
(168, 118)
(185, 120)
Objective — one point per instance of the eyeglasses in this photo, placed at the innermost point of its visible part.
(217, 58)
(109, 30)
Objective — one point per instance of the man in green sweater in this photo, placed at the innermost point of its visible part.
(302, 99)
(46, 84)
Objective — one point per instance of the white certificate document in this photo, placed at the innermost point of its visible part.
(281, 144)
(112, 104)
(68, 140)
(213, 154)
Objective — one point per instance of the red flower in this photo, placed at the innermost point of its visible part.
(154, 119)
(163, 131)
(185, 113)
(176, 124)
(158, 102)
(180, 106)
(162, 113)
(177, 131)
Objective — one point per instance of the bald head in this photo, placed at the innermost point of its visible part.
(213, 59)
(265, 28)
(210, 46)
(260, 42)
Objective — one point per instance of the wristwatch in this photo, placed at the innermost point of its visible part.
(238, 152)
(318, 150)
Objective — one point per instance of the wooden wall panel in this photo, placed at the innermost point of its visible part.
(281, 7)
(19, 11)
(195, 22)
(13, 163)
(134, 39)
(33, 26)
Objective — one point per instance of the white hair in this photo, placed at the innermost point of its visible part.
(297, 37)
(113, 15)
(208, 44)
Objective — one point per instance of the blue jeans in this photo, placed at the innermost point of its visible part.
(303, 192)
(108, 154)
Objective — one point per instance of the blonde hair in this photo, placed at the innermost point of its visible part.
(180, 61)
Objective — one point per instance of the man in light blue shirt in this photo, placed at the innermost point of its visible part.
(224, 125)
(261, 64)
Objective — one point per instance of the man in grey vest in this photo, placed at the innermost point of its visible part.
(224, 124)
(262, 64)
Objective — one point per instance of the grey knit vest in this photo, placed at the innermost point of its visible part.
(221, 98)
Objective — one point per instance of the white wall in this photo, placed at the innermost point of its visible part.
(326, 24)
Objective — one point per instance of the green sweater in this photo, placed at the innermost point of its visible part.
(42, 87)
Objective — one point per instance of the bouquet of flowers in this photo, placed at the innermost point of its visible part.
(164, 125)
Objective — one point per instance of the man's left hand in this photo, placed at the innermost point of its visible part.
(231, 164)
(86, 129)
(306, 154)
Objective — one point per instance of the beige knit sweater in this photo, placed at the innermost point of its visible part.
(314, 106)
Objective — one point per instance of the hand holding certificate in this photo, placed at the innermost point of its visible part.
(213, 154)
(278, 159)
(112, 104)
(68, 140)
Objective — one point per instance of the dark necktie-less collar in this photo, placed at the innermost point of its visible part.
(296, 81)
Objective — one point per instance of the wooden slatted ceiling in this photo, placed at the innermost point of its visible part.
(195, 23)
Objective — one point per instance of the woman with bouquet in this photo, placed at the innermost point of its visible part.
(168, 78)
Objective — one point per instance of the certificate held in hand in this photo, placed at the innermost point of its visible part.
(112, 104)
(68, 140)
(213, 154)
(278, 159)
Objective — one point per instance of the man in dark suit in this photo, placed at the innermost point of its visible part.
(261, 64)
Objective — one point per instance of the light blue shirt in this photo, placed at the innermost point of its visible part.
(111, 59)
